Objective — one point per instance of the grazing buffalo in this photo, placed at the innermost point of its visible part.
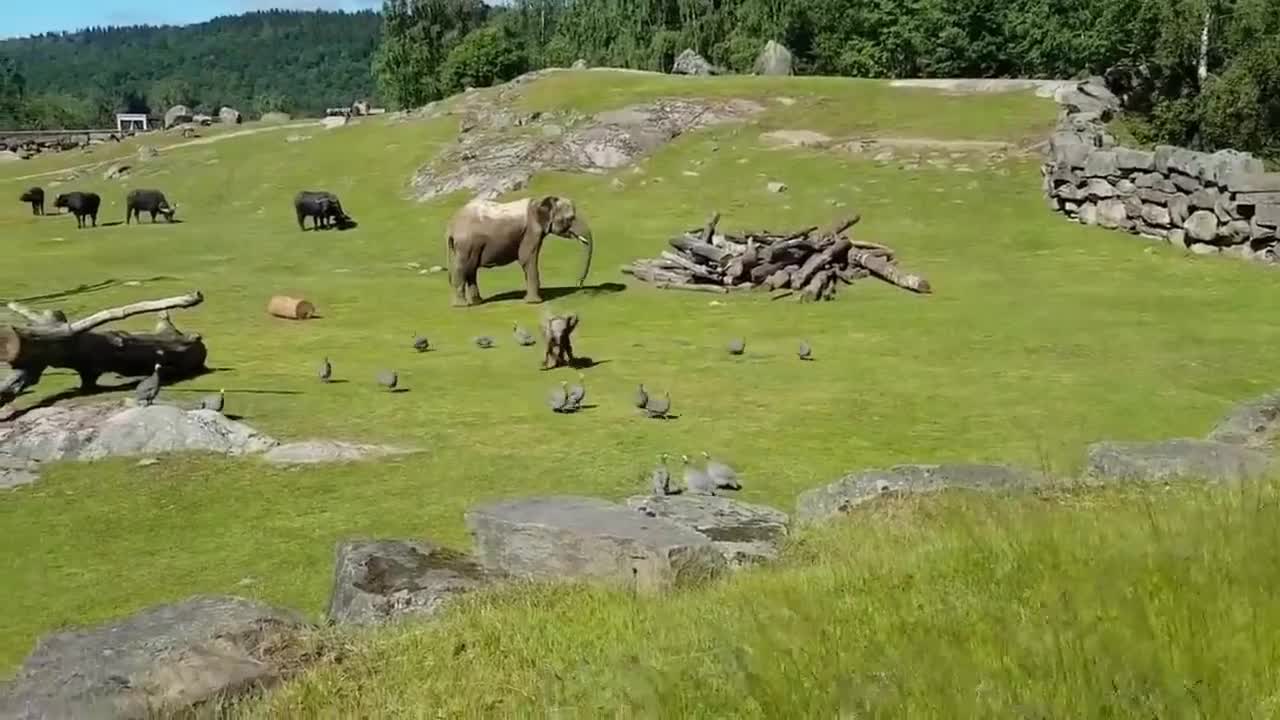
(81, 204)
(35, 196)
(322, 207)
(150, 201)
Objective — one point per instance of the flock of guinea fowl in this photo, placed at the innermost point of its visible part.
(715, 475)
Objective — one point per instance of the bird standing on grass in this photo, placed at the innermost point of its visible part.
(697, 481)
(724, 477)
(522, 336)
(388, 379)
(805, 352)
(559, 399)
(149, 389)
(660, 478)
(214, 402)
(421, 344)
(325, 371)
(577, 394)
(484, 342)
(656, 408)
(737, 346)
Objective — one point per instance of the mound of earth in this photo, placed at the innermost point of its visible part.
(499, 150)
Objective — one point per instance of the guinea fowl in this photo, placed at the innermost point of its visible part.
(325, 371)
(484, 342)
(656, 408)
(165, 326)
(737, 346)
(559, 399)
(724, 477)
(214, 402)
(388, 379)
(660, 478)
(522, 336)
(149, 389)
(642, 397)
(577, 394)
(805, 352)
(421, 344)
(696, 481)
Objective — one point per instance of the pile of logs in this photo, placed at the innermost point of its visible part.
(809, 263)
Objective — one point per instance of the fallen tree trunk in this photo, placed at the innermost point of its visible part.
(884, 270)
(54, 342)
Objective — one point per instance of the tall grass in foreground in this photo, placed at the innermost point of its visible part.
(1153, 604)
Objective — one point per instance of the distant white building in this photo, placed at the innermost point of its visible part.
(132, 122)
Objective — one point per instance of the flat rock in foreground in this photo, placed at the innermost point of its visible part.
(166, 428)
(746, 534)
(1254, 423)
(859, 488)
(380, 581)
(162, 660)
(579, 538)
(1175, 460)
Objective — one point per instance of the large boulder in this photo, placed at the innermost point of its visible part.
(177, 115)
(379, 581)
(161, 661)
(1254, 422)
(857, 489)
(774, 59)
(746, 534)
(1202, 226)
(165, 429)
(578, 538)
(690, 62)
(1174, 460)
(229, 116)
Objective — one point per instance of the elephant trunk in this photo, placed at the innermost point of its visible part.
(582, 231)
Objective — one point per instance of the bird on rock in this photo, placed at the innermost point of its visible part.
(641, 397)
(214, 402)
(325, 371)
(388, 379)
(577, 394)
(149, 388)
(805, 352)
(724, 477)
(656, 408)
(559, 399)
(421, 344)
(697, 481)
(737, 346)
(522, 336)
(484, 342)
(660, 478)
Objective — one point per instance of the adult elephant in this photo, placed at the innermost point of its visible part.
(484, 233)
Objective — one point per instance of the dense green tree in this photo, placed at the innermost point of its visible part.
(485, 56)
(417, 36)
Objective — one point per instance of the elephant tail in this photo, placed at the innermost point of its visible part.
(451, 261)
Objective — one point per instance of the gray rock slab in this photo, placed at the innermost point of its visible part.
(165, 428)
(1254, 423)
(313, 452)
(1101, 163)
(1202, 226)
(746, 534)
(16, 472)
(860, 488)
(381, 581)
(578, 538)
(162, 660)
(1185, 183)
(1205, 199)
(795, 138)
(1100, 189)
(1156, 197)
(1267, 215)
(1127, 159)
(1166, 460)
(1253, 182)
(1113, 214)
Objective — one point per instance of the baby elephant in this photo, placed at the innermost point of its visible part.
(81, 204)
(35, 196)
(150, 201)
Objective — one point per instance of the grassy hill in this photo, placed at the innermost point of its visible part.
(1042, 337)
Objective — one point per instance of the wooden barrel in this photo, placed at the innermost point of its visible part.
(290, 308)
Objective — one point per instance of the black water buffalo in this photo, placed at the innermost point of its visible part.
(322, 207)
(150, 201)
(81, 204)
(35, 196)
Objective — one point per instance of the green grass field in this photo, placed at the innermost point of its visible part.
(1042, 336)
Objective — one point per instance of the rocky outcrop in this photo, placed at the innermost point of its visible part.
(229, 116)
(795, 138)
(1255, 423)
(578, 538)
(1181, 459)
(1222, 202)
(579, 64)
(380, 581)
(774, 59)
(745, 534)
(690, 62)
(177, 115)
(859, 488)
(161, 661)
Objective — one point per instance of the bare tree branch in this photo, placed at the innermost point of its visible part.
(147, 306)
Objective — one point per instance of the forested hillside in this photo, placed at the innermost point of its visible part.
(257, 62)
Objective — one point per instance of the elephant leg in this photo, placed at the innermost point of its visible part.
(533, 284)
(473, 286)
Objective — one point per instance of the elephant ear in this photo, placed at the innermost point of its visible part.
(544, 211)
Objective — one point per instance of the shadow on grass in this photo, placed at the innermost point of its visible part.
(88, 288)
(556, 293)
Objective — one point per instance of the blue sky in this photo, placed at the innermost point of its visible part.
(26, 17)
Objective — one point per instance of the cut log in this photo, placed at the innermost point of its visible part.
(885, 270)
(836, 252)
(717, 289)
(290, 308)
(779, 280)
(816, 288)
(691, 267)
(838, 227)
(703, 250)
